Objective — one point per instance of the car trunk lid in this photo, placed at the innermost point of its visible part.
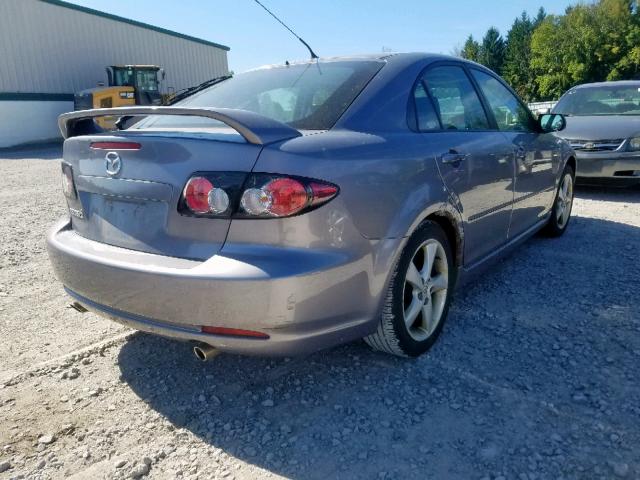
(128, 197)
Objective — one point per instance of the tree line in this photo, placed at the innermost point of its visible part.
(543, 56)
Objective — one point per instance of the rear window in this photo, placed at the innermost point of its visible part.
(309, 96)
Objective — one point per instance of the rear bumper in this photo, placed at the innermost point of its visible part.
(608, 167)
(303, 299)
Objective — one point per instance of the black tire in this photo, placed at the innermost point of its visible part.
(555, 227)
(393, 335)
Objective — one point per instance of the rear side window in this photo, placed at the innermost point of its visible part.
(510, 114)
(455, 99)
(426, 116)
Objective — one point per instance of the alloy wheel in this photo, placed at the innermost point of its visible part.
(564, 200)
(425, 289)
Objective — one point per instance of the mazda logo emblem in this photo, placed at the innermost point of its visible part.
(113, 163)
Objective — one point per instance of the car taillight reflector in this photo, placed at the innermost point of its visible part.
(196, 194)
(322, 192)
(115, 146)
(233, 332)
(288, 196)
(68, 185)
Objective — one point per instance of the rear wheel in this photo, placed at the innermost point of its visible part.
(561, 211)
(418, 297)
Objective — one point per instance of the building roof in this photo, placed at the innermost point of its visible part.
(91, 11)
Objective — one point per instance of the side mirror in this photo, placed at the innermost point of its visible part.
(552, 122)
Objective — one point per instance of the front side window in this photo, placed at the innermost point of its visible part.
(455, 99)
(510, 114)
(124, 78)
(309, 96)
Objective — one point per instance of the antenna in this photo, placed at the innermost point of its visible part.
(313, 54)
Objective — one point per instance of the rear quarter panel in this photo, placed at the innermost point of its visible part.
(385, 181)
(387, 186)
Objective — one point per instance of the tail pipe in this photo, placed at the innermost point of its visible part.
(205, 352)
(78, 307)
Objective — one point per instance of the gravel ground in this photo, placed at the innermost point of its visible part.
(534, 377)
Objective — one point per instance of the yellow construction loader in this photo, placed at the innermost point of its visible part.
(128, 85)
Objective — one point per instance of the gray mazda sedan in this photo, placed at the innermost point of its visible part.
(604, 130)
(299, 206)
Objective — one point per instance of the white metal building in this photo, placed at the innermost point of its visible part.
(50, 49)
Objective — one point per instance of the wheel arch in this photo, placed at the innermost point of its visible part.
(449, 219)
(453, 231)
(572, 162)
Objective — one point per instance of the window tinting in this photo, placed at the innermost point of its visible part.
(455, 99)
(309, 96)
(510, 114)
(426, 116)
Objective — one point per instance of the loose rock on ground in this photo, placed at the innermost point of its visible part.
(534, 377)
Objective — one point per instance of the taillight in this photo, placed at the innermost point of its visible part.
(278, 198)
(268, 196)
(211, 194)
(68, 186)
(202, 197)
(260, 195)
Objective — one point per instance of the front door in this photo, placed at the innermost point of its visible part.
(536, 154)
(475, 161)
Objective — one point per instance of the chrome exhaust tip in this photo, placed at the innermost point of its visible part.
(78, 307)
(205, 352)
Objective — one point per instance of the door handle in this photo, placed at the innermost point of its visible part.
(453, 157)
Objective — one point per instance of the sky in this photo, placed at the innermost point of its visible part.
(331, 27)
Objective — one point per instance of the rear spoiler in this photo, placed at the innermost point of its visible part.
(255, 128)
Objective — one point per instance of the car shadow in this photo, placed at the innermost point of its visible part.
(518, 345)
(40, 151)
(609, 194)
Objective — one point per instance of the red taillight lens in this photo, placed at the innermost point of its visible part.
(288, 196)
(322, 192)
(115, 146)
(196, 194)
(233, 332)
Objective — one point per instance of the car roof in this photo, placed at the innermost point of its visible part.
(389, 57)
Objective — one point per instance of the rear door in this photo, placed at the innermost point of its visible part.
(537, 155)
(474, 159)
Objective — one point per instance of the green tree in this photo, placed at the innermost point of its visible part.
(516, 70)
(471, 49)
(541, 15)
(619, 50)
(492, 50)
(590, 42)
